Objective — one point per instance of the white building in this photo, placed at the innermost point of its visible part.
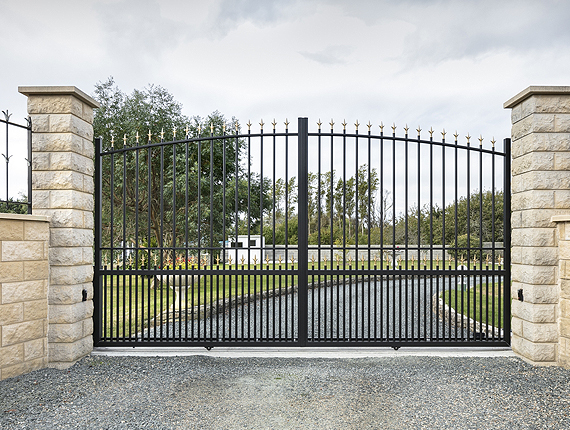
(250, 248)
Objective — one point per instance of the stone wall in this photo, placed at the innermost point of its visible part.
(24, 274)
(62, 188)
(540, 191)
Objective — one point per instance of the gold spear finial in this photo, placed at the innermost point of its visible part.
(112, 141)
(431, 131)
(375, 259)
(280, 259)
(387, 261)
(356, 124)
(493, 141)
(487, 259)
(218, 260)
(468, 137)
(331, 123)
(369, 125)
(187, 130)
(394, 127)
(286, 123)
(406, 128)
(456, 135)
(237, 126)
(437, 260)
(292, 259)
(418, 130)
(267, 260)
(230, 259)
(211, 128)
(344, 123)
(350, 260)
(313, 259)
(480, 140)
(255, 260)
(443, 133)
(262, 124)
(162, 134)
(224, 128)
(449, 258)
(381, 127)
(248, 125)
(199, 129)
(149, 135)
(242, 260)
(319, 123)
(325, 260)
(274, 123)
(362, 259)
(137, 137)
(399, 260)
(174, 132)
(413, 260)
(337, 259)
(125, 140)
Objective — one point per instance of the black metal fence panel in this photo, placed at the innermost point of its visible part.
(10, 203)
(302, 238)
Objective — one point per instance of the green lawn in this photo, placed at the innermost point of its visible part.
(483, 306)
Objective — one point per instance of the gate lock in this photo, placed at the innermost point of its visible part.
(521, 298)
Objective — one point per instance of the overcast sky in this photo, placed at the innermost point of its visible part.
(445, 64)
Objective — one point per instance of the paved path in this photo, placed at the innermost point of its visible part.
(405, 392)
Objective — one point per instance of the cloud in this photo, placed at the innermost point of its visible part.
(331, 55)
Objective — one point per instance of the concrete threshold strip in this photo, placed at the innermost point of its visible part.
(293, 352)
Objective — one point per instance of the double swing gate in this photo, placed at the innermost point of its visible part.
(302, 238)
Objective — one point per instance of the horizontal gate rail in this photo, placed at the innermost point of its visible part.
(302, 238)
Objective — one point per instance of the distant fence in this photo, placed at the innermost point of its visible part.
(10, 203)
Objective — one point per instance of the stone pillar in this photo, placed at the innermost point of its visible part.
(540, 190)
(62, 188)
(563, 222)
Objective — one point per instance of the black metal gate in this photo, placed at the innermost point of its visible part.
(302, 238)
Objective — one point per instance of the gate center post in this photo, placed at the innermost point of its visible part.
(303, 228)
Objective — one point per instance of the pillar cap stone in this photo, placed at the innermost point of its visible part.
(535, 90)
(59, 91)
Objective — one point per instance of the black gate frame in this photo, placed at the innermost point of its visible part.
(103, 273)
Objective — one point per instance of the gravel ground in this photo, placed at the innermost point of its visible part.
(257, 393)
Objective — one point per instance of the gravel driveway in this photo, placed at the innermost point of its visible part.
(258, 393)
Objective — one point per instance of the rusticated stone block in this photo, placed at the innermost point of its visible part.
(35, 349)
(67, 333)
(69, 294)
(71, 237)
(22, 332)
(71, 275)
(547, 142)
(36, 270)
(541, 180)
(71, 199)
(63, 355)
(11, 355)
(535, 199)
(539, 256)
(550, 103)
(11, 230)
(11, 313)
(565, 288)
(536, 293)
(36, 230)
(40, 123)
(565, 327)
(537, 275)
(24, 367)
(535, 237)
(22, 250)
(517, 326)
(69, 314)
(57, 142)
(562, 123)
(534, 161)
(15, 292)
(540, 332)
(11, 271)
(66, 256)
(72, 218)
(535, 123)
(71, 161)
(62, 123)
(534, 312)
(536, 353)
(40, 161)
(37, 309)
(57, 180)
(55, 104)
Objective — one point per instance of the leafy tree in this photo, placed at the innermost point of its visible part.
(181, 188)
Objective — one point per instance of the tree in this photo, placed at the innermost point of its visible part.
(175, 191)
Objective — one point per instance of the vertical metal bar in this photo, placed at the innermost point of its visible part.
(303, 255)
(148, 237)
(98, 293)
(29, 122)
(7, 156)
(318, 198)
(211, 241)
(468, 170)
(224, 235)
(273, 238)
(507, 239)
